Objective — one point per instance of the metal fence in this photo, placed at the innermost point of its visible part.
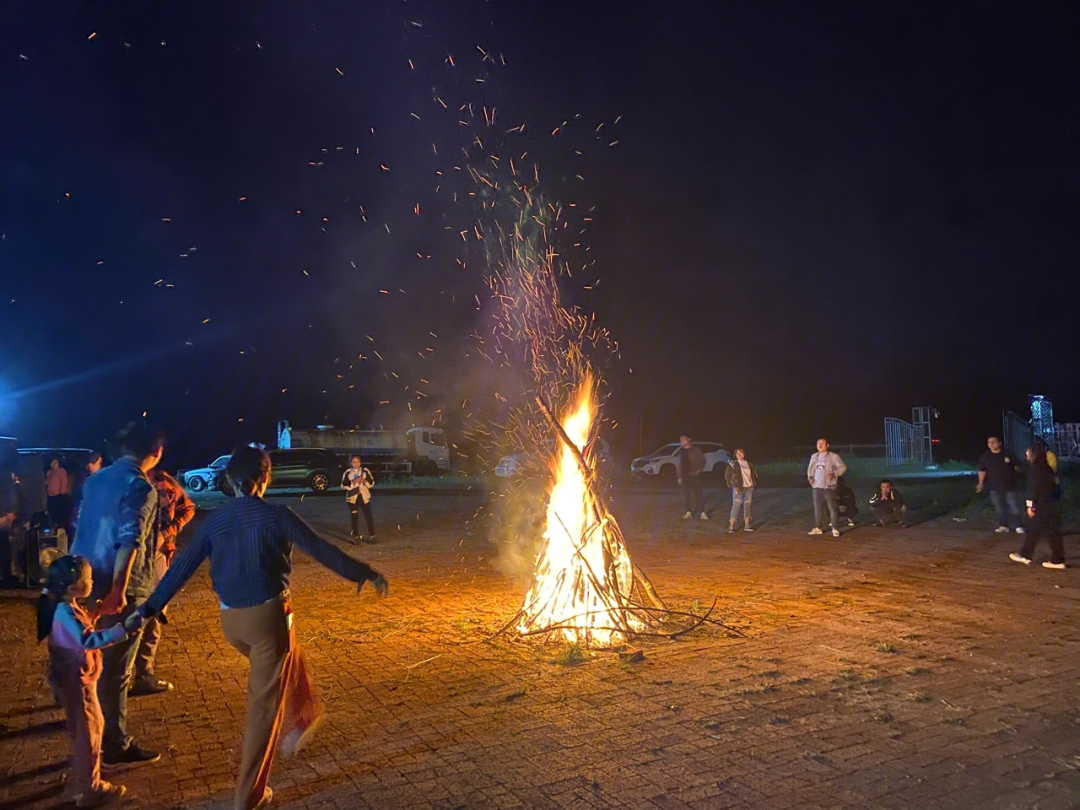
(899, 441)
(1017, 432)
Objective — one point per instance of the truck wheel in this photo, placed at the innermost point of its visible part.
(428, 468)
(226, 488)
(319, 481)
(196, 484)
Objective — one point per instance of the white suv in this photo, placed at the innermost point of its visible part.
(664, 463)
(519, 463)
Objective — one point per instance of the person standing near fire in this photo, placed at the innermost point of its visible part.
(175, 511)
(824, 473)
(741, 477)
(691, 463)
(357, 483)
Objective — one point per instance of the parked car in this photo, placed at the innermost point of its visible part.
(311, 467)
(530, 462)
(664, 463)
(203, 478)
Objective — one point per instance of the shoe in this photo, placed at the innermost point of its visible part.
(1054, 565)
(1001, 530)
(731, 530)
(1020, 530)
(688, 515)
(108, 793)
(1017, 558)
(292, 743)
(814, 530)
(748, 528)
(850, 522)
(268, 796)
(904, 525)
(835, 532)
(149, 685)
(134, 754)
(703, 516)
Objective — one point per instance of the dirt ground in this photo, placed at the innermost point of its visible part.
(889, 668)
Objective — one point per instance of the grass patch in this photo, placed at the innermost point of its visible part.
(884, 647)
(920, 697)
(882, 716)
(846, 675)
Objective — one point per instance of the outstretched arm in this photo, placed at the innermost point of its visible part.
(324, 552)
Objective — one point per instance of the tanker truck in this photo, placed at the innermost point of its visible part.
(416, 451)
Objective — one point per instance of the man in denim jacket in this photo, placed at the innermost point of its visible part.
(116, 534)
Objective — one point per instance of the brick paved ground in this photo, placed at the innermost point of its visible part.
(882, 670)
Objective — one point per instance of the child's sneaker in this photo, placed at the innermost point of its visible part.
(814, 530)
(107, 793)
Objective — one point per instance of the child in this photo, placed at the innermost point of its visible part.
(74, 669)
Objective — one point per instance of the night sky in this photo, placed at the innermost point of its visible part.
(803, 217)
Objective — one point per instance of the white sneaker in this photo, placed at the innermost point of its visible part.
(687, 516)
(704, 516)
(1054, 565)
(1020, 530)
(835, 532)
(1001, 530)
(814, 530)
(1017, 558)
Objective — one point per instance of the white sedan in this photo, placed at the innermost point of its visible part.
(203, 477)
(664, 463)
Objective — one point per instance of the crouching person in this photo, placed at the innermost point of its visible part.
(887, 506)
(249, 544)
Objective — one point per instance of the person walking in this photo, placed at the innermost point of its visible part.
(74, 669)
(997, 472)
(823, 473)
(1044, 510)
(357, 482)
(249, 545)
(116, 534)
(887, 506)
(175, 510)
(741, 477)
(691, 463)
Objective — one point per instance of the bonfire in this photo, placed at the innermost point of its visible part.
(585, 589)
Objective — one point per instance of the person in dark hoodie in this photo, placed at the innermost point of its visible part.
(846, 503)
(1044, 511)
(887, 506)
(691, 464)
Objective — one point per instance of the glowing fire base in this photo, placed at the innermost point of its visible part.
(585, 588)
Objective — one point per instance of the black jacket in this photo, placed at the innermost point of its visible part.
(733, 475)
(895, 501)
(1043, 490)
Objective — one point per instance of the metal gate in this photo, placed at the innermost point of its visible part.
(1017, 432)
(900, 442)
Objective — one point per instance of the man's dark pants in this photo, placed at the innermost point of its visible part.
(1047, 523)
(117, 673)
(695, 500)
(889, 514)
(823, 497)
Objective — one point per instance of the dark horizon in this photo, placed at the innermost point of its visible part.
(803, 220)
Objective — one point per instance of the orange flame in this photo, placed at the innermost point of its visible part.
(578, 569)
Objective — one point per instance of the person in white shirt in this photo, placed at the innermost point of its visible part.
(741, 477)
(357, 483)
